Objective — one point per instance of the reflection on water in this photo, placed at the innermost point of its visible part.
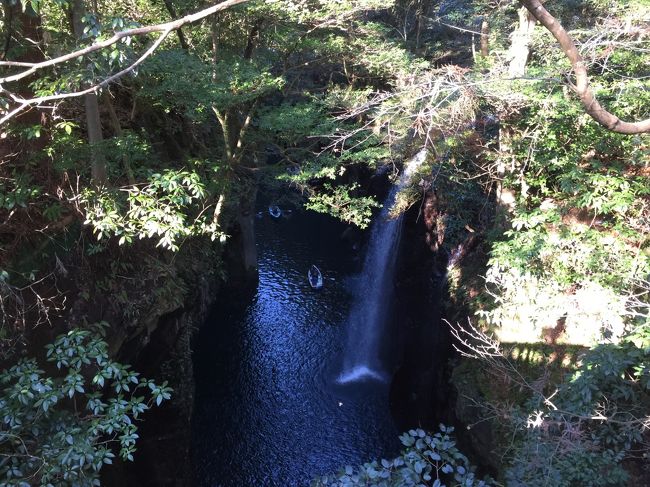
(268, 411)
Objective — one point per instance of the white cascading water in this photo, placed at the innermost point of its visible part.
(369, 312)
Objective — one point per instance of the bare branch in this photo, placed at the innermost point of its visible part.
(455, 27)
(24, 103)
(138, 31)
(474, 343)
(165, 29)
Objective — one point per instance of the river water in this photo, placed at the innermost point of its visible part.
(268, 408)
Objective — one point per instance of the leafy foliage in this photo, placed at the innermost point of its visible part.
(196, 91)
(60, 428)
(572, 250)
(427, 460)
(165, 208)
(597, 418)
(339, 203)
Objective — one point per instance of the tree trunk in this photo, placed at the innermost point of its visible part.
(181, 37)
(95, 137)
(252, 38)
(485, 31)
(520, 47)
(214, 36)
(116, 127)
(8, 25)
(505, 197)
(246, 222)
(419, 12)
(21, 23)
(93, 122)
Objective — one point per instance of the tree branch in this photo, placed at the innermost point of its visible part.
(581, 87)
(25, 103)
(165, 29)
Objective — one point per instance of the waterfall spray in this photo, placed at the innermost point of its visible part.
(369, 313)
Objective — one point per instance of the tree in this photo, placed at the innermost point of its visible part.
(93, 122)
(579, 431)
(31, 68)
(519, 49)
(581, 86)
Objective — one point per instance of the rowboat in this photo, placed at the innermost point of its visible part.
(315, 277)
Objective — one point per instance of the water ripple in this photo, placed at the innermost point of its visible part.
(268, 409)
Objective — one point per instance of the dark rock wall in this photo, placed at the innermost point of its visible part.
(419, 392)
(162, 351)
(426, 390)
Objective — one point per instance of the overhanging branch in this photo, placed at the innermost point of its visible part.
(26, 103)
(581, 87)
(164, 28)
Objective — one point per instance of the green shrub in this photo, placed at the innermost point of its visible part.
(60, 429)
(427, 460)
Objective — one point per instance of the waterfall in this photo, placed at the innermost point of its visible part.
(369, 312)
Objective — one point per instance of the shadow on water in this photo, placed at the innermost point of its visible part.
(268, 409)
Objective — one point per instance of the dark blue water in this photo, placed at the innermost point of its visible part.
(268, 409)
